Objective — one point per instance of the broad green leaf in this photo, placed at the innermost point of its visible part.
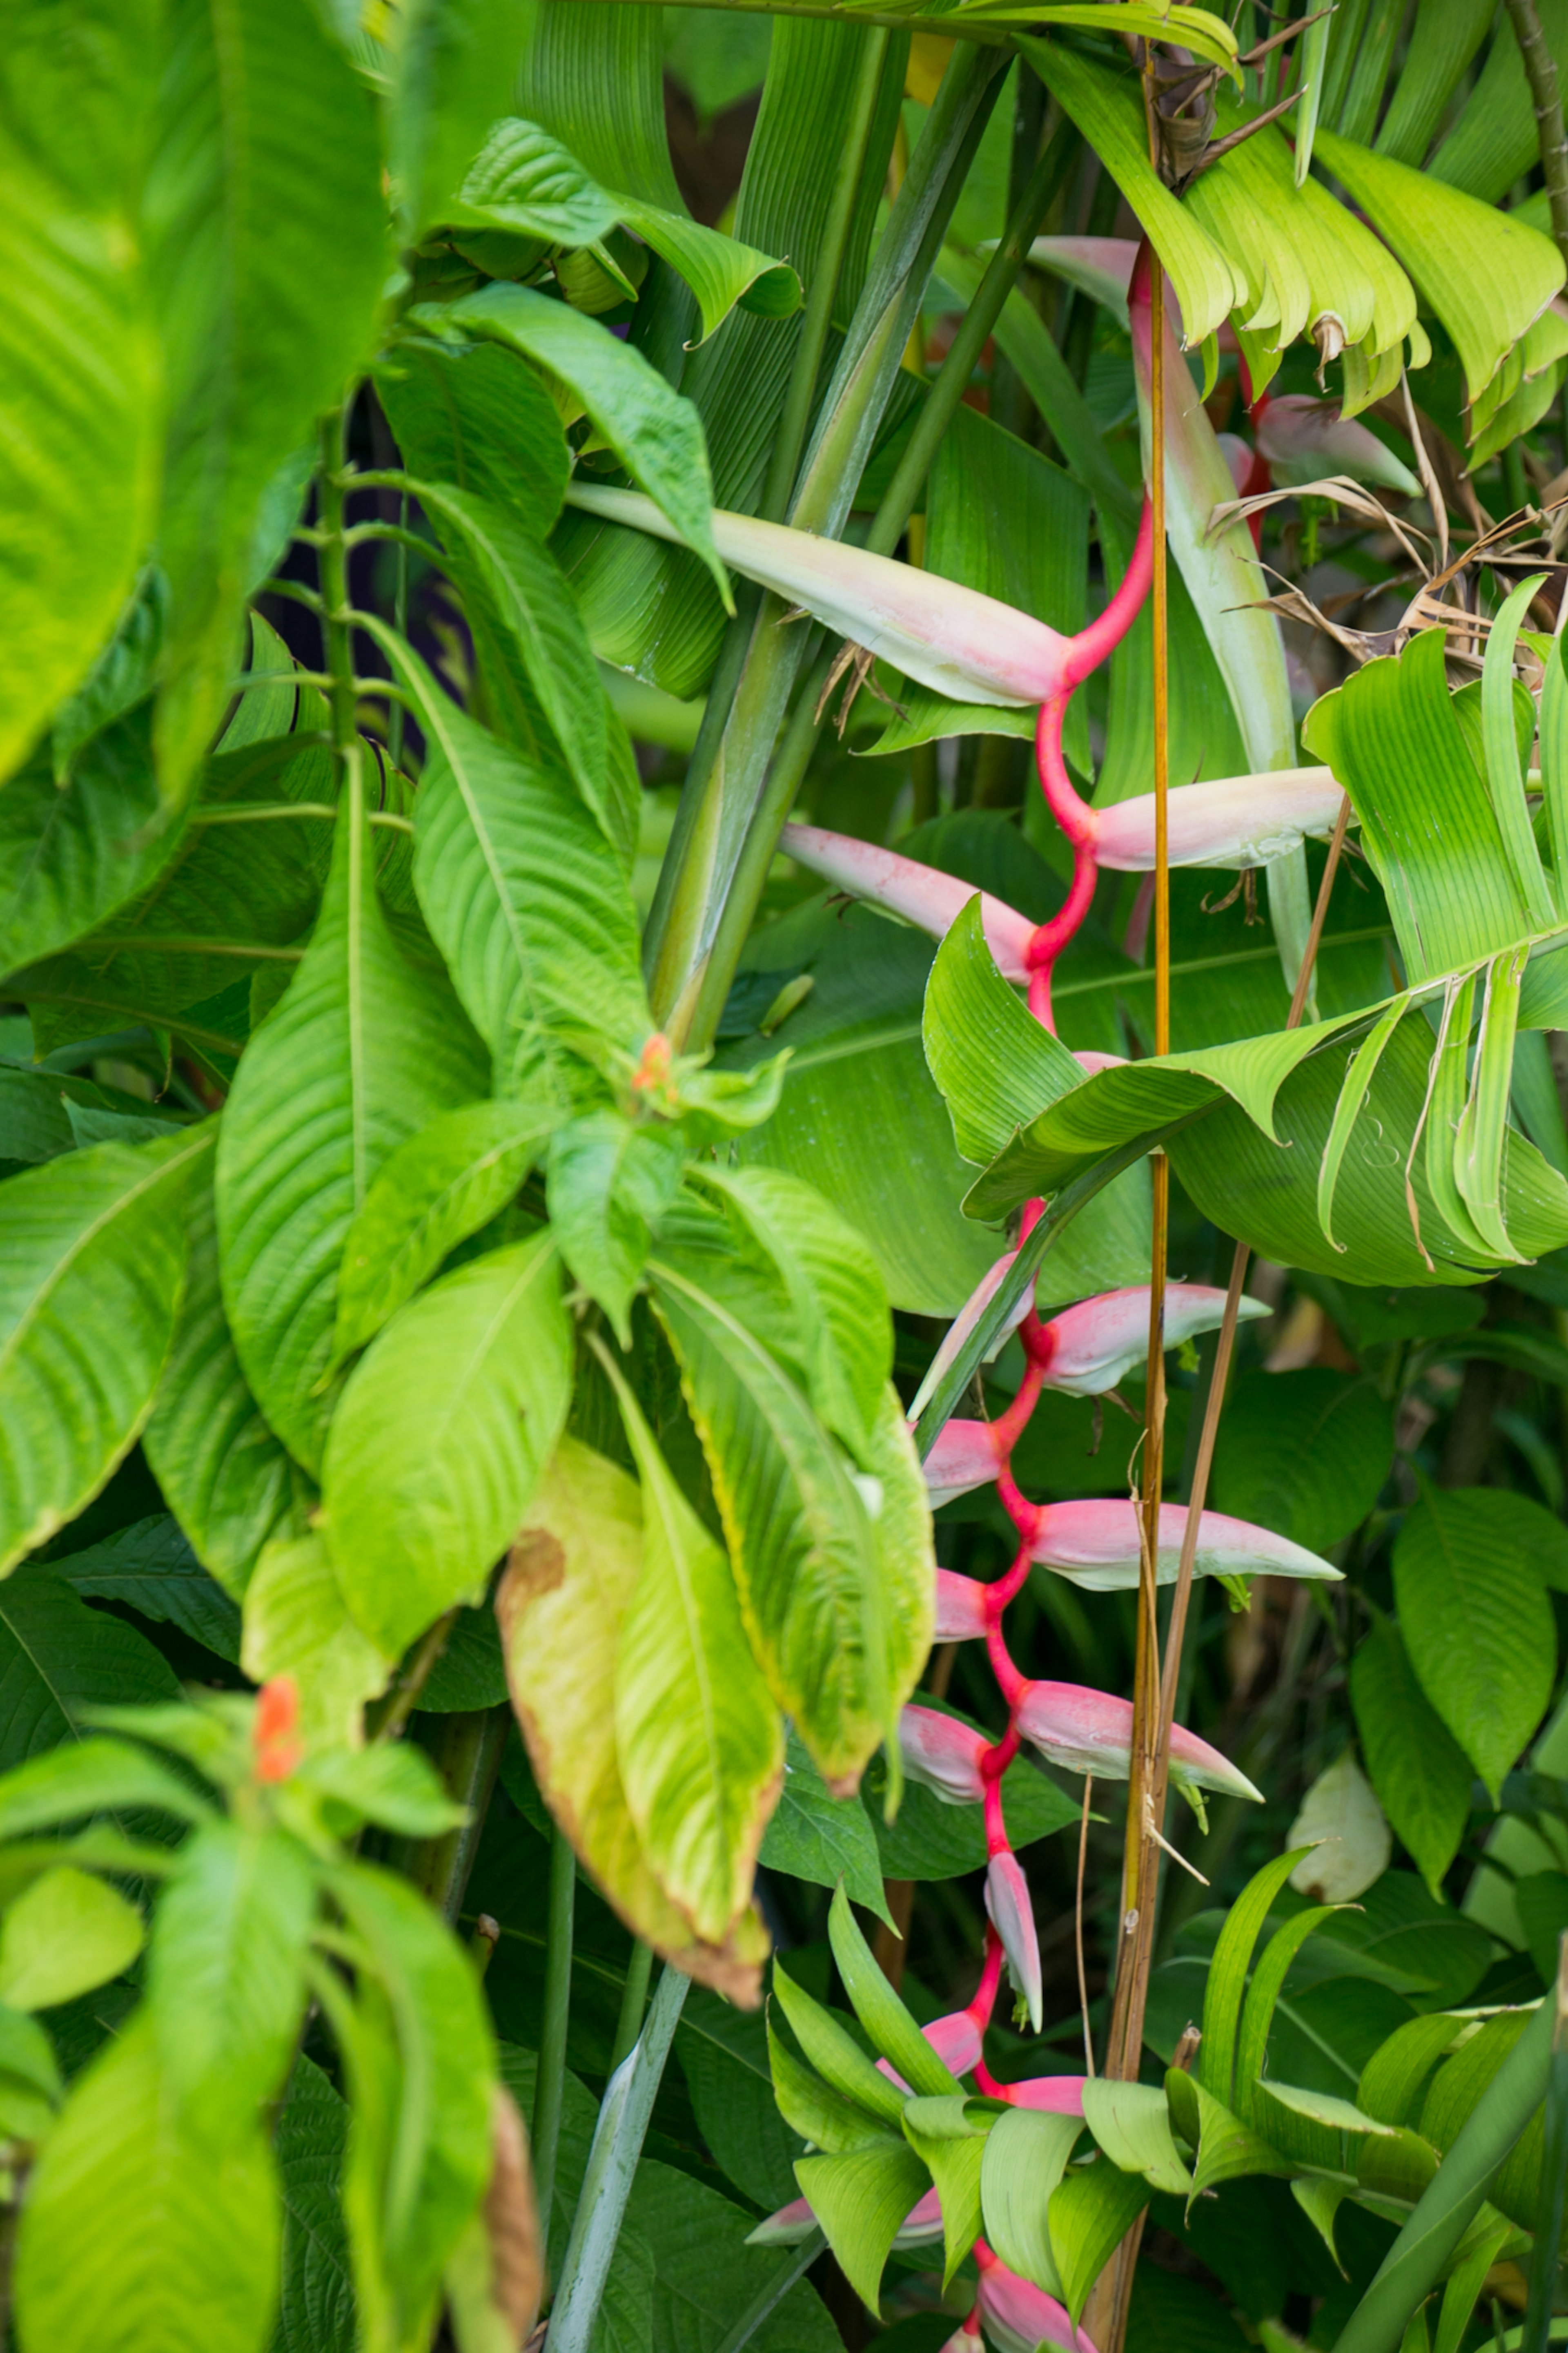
(121, 677)
(1228, 1972)
(436, 1189)
(1025, 2159)
(362, 1052)
(225, 1984)
(92, 1241)
(1207, 36)
(72, 853)
(706, 2274)
(995, 1064)
(471, 1670)
(64, 1935)
(1131, 2123)
(861, 2199)
(1262, 2000)
(814, 1837)
(834, 2053)
(475, 415)
(879, 2008)
(844, 1332)
(524, 897)
(297, 1623)
(1227, 2150)
(610, 1181)
(1089, 2213)
(440, 1437)
(267, 254)
(1485, 275)
(1477, 1623)
(80, 416)
(1305, 1452)
(724, 2054)
(230, 1484)
(824, 2118)
(572, 1574)
(835, 1577)
(452, 65)
(942, 2135)
(30, 2089)
(150, 1567)
(720, 270)
(1420, 1773)
(75, 1776)
(655, 434)
(137, 2233)
(700, 1749)
(315, 2313)
(1494, 136)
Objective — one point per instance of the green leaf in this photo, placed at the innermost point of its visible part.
(833, 2050)
(440, 1437)
(610, 1181)
(941, 2135)
(1485, 275)
(361, 1053)
(230, 1484)
(1227, 1975)
(452, 61)
(72, 853)
(995, 1064)
(1305, 1452)
(1025, 2159)
(226, 1987)
(137, 2234)
(861, 2199)
(67, 1782)
(723, 2054)
(1227, 2150)
(1089, 2214)
(475, 415)
(1131, 2123)
(573, 1573)
(1262, 1999)
(315, 2311)
(1420, 1773)
(824, 2118)
(814, 1837)
(707, 2276)
(297, 1623)
(91, 1241)
(655, 434)
(436, 1189)
(700, 1748)
(879, 2008)
(150, 1567)
(720, 270)
(931, 1840)
(1477, 1623)
(391, 1783)
(80, 416)
(470, 1673)
(524, 897)
(267, 252)
(62, 1936)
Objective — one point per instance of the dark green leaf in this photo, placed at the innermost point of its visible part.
(1418, 1770)
(823, 1839)
(150, 1567)
(1303, 1452)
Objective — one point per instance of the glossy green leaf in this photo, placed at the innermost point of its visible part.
(138, 2234)
(71, 853)
(297, 1623)
(995, 1064)
(1304, 1452)
(700, 1749)
(80, 418)
(524, 897)
(440, 1438)
(861, 2199)
(1131, 2123)
(653, 431)
(1089, 2213)
(940, 2132)
(476, 416)
(226, 1986)
(880, 2009)
(610, 1181)
(1228, 1972)
(436, 1190)
(834, 2053)
(1477, 1623)
(363, 1050)
(821, 1839)
(1421, 1775)
(150, 1567)
(1025, 2157)
(65, 1934)
(230, 1484)
(824, 2118)
(92, 1241)
(268, 255)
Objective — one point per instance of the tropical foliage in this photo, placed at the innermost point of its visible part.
(581, 1250)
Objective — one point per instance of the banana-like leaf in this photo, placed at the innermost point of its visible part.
(1206, 35)
(1451, 31)
(1495, 136)
(994, 1063)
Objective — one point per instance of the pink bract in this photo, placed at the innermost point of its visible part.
(1013, 1917)
(1091, 1731)
(1018, 2317)
(1097, 1544)
(960, 1608)
(942, 1754)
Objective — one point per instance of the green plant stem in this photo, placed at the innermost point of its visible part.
(1541, 72)
(337, 628)
(766, 2301)
(1447, 2205)
(633, 2001)
(470, 1760)
(618, 2138)
(888, 526)
(400, 622)
(723, 793)
(549, 2088)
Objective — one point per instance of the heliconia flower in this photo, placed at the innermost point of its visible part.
(1018, 2317)
(922, 894)
(1229, 821)
(956, 2039)
(965, 1456)
(1097, 1543)
(959, 1607)
(1052, 2096)
(1303, 439)
(1090, 1732)
(1094, 1344)
(942, 1754)
(1013, 1917)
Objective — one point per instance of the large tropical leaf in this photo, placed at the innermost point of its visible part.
(59, 1661)
(363, 1050)
(70, 852)
(476, 416)
(90, 1266)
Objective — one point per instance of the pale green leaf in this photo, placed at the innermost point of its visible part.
(834, 2053)
(861, 2199)
(884, 2017)
(92, 1241)
(297, 1623)
(436, 1189)
(1205, 35)
(941, 2135)
(610, 1181)
(1089, 2213)
(1025, 2157)
(136, 2233)
(1340, 1819)
(440, 1437)
(80, 412)
(1133, 2125)
(64, 1935)
(826, 2118)
(362, 1052)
